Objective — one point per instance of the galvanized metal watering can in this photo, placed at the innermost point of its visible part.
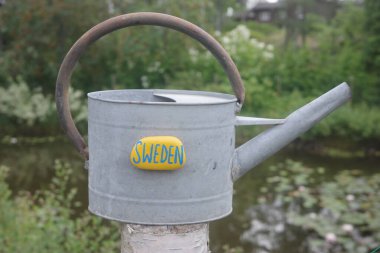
(168, 156)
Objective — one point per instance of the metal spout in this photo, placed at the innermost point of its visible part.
(255, 151)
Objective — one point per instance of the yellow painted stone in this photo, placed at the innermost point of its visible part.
(158, 153)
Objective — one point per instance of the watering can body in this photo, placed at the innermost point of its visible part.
(199, 191)
(165, 157)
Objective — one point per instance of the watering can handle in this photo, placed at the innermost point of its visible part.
(133, 19)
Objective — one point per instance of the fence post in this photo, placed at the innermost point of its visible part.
(191, 238)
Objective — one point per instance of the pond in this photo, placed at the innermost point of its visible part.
(31, 169)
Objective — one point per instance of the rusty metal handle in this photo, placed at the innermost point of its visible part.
(133, 19)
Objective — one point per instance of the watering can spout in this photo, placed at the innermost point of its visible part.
(272, 140)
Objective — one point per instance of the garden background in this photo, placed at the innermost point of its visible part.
(323, 200)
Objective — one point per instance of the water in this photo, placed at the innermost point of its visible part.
(32, 166)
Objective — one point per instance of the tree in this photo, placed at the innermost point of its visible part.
(302, 14)
(372, 9)
(372, 48)
(36, 35)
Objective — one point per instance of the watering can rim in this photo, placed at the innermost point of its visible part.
(204, 97)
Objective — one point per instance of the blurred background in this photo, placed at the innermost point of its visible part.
(320, 194)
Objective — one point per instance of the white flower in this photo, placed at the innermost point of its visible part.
(230, 12)
(350, 197)
(261, 45)
(270, 47)
(301, 188)
(268, 55)
(13, 140)
(330, 237)
(144, 81)
(254, 42)
(262, 200)
(226, 40)
(193, 54)
(243, 31)
(313, 216)
(279, 228)
(347, 228)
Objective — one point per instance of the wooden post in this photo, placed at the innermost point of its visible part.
(164, 239)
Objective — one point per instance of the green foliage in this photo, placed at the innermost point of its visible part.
(338, 215)
(27, 107)
(18, 101)
(372, 11)
(333, 54)
(36, 35)
(44, 222)
(227, 249)
(355, 123)
(279, 82)
(372, 38)
(251, 57)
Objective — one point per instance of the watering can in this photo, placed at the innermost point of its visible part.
(166, 157)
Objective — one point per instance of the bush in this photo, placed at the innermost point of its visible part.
(45, 222)
(26, 107)
(355, 123)
(278, 80)
(19, 103)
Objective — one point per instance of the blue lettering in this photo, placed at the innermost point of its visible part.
(137, 153)
(170, 155)
(147, 157)
(164, 151)
(179, 155)
(156, 153)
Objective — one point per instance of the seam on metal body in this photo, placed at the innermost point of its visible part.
(161, 128)
(161, 201)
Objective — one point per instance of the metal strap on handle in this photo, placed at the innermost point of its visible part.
(133, 19)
